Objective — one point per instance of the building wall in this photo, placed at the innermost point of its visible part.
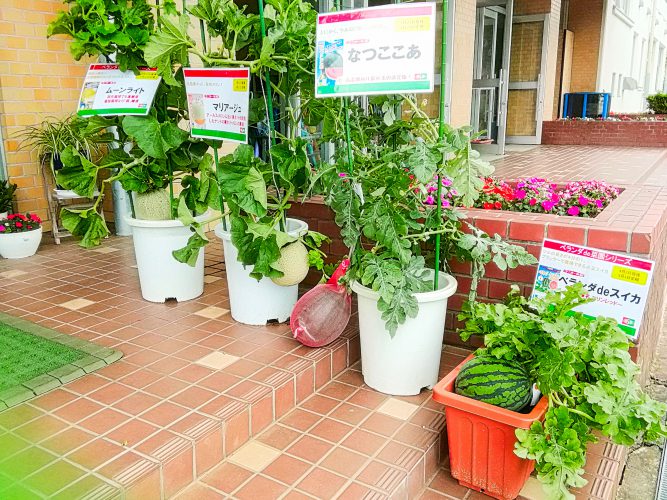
(38, 79)
(585, 21)
(632, 49)
(462, 64)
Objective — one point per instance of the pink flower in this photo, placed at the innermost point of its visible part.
(573, 210)
(2, 228)
(446, 181)
(599, 203)
(583, 201)
(519, 194)
(445, 203)
(532, 202)
(430, 200)
(548, 205)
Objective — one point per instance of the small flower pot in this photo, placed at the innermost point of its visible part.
(481, 441)
(20, 245)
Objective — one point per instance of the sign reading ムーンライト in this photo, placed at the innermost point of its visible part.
(379, 50)
(618, 283)
(218, 102)
(108, 91)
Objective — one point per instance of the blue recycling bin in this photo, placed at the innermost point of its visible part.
(586, 105)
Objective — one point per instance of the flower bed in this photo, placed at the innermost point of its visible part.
(19, 223)
(633, 133)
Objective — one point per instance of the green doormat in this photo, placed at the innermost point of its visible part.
(35, 359)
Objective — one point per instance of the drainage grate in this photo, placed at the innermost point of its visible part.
(661, 490)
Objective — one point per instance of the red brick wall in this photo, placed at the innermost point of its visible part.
(605, 133)
(638, 218)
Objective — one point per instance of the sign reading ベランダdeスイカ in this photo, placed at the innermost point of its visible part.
(379, 50)
(218, 102)
(618, 283)
(108, 91)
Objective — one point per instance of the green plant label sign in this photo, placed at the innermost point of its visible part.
(618, 283)
(218, 102)
(380, 50)
(108, 91)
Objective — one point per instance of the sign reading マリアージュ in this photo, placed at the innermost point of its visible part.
(108, 91)
(618, 283)
(218, 102)
(379, 50)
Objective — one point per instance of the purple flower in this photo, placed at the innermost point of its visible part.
(583, 201)
(430, 200)
(519, 194)
(573, 210)
(599, 203)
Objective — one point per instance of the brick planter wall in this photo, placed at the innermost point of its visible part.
(635, 222)
(605, 133)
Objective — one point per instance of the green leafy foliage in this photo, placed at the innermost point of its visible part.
(106, 27)
(658, 103)
(584, 369)
(85, 224)
(78, 173)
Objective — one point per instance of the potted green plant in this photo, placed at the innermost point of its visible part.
(588, 383)
(20, 235)
(7, 191)
(384, 199)
(266, 253)
(160, 155)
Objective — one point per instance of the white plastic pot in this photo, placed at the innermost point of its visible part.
(257, 302)
(161, 276)
(3, 215)
(408, 362)
(20, 245)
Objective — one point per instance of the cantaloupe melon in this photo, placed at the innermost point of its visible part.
(152, 205)
(293, 263)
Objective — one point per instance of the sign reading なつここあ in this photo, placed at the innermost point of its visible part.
(108, 91)
(618, 283)
(218, 102)
(379, 50)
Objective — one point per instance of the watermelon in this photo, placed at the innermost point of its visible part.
(494, 381)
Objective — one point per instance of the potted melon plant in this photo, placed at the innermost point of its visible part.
(384, 202)
(266, 253)
(160, 156)
(585, 375)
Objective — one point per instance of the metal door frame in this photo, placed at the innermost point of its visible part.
(539, 85)
(499, 147)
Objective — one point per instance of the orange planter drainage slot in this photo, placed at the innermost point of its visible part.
(481, 441)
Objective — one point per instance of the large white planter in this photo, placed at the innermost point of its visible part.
(257, 302)
(20, 245)
(408, 362)
(162, 277)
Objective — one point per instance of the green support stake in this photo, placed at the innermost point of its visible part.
(267, 77)
(441, 134)
(217, 175)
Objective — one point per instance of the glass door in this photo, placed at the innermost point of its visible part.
(526, 79)
(489, 86)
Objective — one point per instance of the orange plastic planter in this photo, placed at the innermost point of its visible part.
(481, 441)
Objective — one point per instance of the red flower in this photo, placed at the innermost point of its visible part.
(18, 224)
(487, 205)
(498, 205)
(11, 216)
(22, 217)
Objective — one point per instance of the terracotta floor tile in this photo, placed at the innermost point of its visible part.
(132, 432)
(11, 444)
(217, 360)
(140, 378)
(443, 482)
(67, 440)
(287, 469)
(87, 384)
(54, 477)
(350, 413)
(26, 462)
(331, 430)
(367, 398)
(381, 476)
(355, 491)
(400, 455)
(41, 428)
(344, 462)
(364, 442)
(278, 436)
(226, 477)
(78, 410)
(110, 393)
(193, 397)
(96, 453)
(398, 409)
(164, 413)
(381, 424)
(219, 381)
(199, 491)
(103, 421)
(320, 404)
(168, 365)
(415, 436)
(337, 390)
(300, 420)
(136, 403)
(310, 449)
(254, 456)
(260, 487)
(165, 387)
(322, 483)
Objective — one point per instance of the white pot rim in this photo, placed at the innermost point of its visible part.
(163, 223)
(300, 229)
(447, 283)
(38, 230)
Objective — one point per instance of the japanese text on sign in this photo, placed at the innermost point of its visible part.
(107, 91)
(618, 283)
(218, 103)
(378, 50)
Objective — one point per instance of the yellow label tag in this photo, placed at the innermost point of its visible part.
(147, 75)
(629, 275)
(240, 85)
(417, 23)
